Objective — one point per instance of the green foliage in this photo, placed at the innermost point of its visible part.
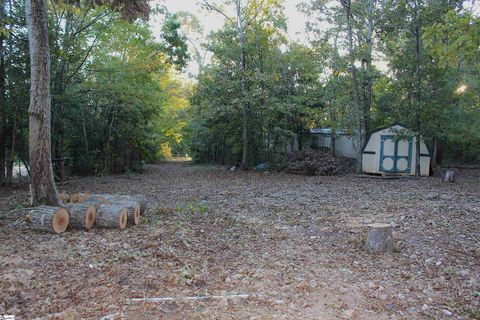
(444, 99)
(282, 92)
(115, 95)
(118, 100)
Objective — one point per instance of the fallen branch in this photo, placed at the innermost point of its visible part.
(186, 299)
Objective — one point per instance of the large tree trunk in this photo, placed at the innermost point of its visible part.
(433, 161)
(353, 70)
(43, 188)
(59, 87)
(12, 151)
(368, 61)
(241, 35)
(2, 93)
(418, 95)
(11, 158)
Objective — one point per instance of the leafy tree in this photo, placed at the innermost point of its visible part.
(280, 88)
(76, 32)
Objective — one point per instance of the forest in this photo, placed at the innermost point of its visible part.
(118, 99)
(210, 163)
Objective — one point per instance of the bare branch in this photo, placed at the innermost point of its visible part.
(210, 7)
(90, 23)
(89, 50)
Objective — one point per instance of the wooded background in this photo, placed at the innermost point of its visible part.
(118, 100)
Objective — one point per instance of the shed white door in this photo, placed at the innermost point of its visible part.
(395, 155)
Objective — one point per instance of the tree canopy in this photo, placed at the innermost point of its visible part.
(119, 99)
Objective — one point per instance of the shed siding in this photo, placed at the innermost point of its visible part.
(344, 144)
(371, 153)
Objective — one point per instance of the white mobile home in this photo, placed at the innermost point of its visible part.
(345, 144)
(393, 150)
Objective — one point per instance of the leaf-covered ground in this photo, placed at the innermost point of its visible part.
(294, 242)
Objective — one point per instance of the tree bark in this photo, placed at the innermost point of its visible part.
(418, 90)
(13, 145)
(433, 162)
(369, 70)
(49, 219)
(59, 88)
(111, 216)
(2, 93)
(353, 70)
(241, 35)
(11, 158)
(82, 215)
(113, 198)
(379, 238)
(43, 188)
(133, 211)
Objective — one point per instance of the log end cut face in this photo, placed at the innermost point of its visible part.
(80, 197)
(75, 198)
(136, 214)
(122, 219)
(60, 220)
(90, 217)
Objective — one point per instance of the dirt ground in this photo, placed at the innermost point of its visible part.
(294, 243)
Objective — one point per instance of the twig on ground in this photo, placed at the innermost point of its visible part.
(185, 299)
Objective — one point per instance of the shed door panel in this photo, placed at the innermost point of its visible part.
(395, 155)
(403, 156)
(387, 154)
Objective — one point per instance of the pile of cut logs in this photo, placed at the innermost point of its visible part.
(84, 210)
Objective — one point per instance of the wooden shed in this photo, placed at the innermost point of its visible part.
(392, 150)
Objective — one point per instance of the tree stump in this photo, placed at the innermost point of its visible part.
(449, 176)
(133, 211)
(82, 215)
(112, 216)
(46, 218)
(379, 238)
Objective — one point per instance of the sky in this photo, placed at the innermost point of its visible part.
(214, 21)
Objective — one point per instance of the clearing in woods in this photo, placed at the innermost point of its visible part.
(295, 242)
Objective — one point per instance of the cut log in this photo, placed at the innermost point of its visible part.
(46, 218)
(379, 238)
(119, 197)
(79, 197)
(82, 215)
(82, 197)
(112, 216)
(449, 176)
(133, 211)
(64, 197)
(142, 200)
(96, 203)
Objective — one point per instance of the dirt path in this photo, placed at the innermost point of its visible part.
(294, 242)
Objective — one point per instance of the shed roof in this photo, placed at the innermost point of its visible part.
(325, 131)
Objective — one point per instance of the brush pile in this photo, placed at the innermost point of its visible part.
(317, 162)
